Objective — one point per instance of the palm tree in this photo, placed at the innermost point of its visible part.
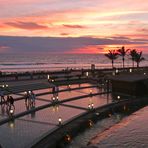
(122, 52)
(133, 53)
(112, 55)
(139, 58)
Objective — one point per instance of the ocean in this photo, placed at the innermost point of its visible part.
(44, 61)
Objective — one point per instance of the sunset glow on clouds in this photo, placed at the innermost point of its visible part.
(121, 21)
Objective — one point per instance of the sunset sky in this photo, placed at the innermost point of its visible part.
(73, 26)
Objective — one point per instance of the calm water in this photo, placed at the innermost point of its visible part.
(26, 62)
(130, 132)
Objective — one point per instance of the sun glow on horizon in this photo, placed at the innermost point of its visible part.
(119, 22)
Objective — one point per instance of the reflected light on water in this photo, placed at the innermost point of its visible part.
(55, 108)
(90, 123)
(11, 124)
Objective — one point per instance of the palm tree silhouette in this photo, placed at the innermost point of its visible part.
(133, 53)
(112, 55)
(139, 58)
(122, 52)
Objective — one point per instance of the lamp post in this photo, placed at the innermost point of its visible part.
(60, 120)
(48, 77)
(118, 97)
(87, 74)
(90, 91)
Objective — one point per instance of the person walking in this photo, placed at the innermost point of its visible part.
(33, 97)
(11, 102)
(26, 97)
(8, 101)
(2, 96)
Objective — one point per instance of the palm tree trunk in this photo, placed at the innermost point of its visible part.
(112, 63)
(123, 61)
(133, 62)
(137, 64)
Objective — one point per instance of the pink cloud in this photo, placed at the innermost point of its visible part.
(26, 25)
(74, 26)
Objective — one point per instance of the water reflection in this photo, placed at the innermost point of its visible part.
(3, 109)
(11, 124)
(55, 108)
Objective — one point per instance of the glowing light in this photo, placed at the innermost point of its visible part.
(118, 97)
(110, 115)
(60, 120)
(97, 114)
(89, 106)
(48, 77)
(92, 105)
(90, 91)
(11, 111)
(87, 74)
(117, 71)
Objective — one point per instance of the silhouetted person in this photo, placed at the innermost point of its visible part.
(8, 100)
(26, 96)
(2, 96)
(11, 101)
(33, 97)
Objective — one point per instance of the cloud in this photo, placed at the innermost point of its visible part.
(74, 26)
(26, 25)
(64, 34)
(60, 44)
(144, 30)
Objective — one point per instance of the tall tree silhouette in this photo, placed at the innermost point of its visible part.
(138, 58)
(112, 55)
(122, 52)
(133, 53)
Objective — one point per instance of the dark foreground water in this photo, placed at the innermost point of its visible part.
(131, 132)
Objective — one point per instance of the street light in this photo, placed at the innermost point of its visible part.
(60, 120)
(92, 105)
(130, 70)
(87, 73)
(117, 71)
(48, 77)
(53, 98)
(90, 91)
(57, 98)
(89, 106)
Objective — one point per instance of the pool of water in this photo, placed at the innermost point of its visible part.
(30, 127)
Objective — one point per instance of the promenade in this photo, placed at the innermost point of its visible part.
(30, 124)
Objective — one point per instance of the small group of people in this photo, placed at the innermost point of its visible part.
(30, 98)
(8, 102)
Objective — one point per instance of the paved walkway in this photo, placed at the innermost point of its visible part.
(34, 122)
